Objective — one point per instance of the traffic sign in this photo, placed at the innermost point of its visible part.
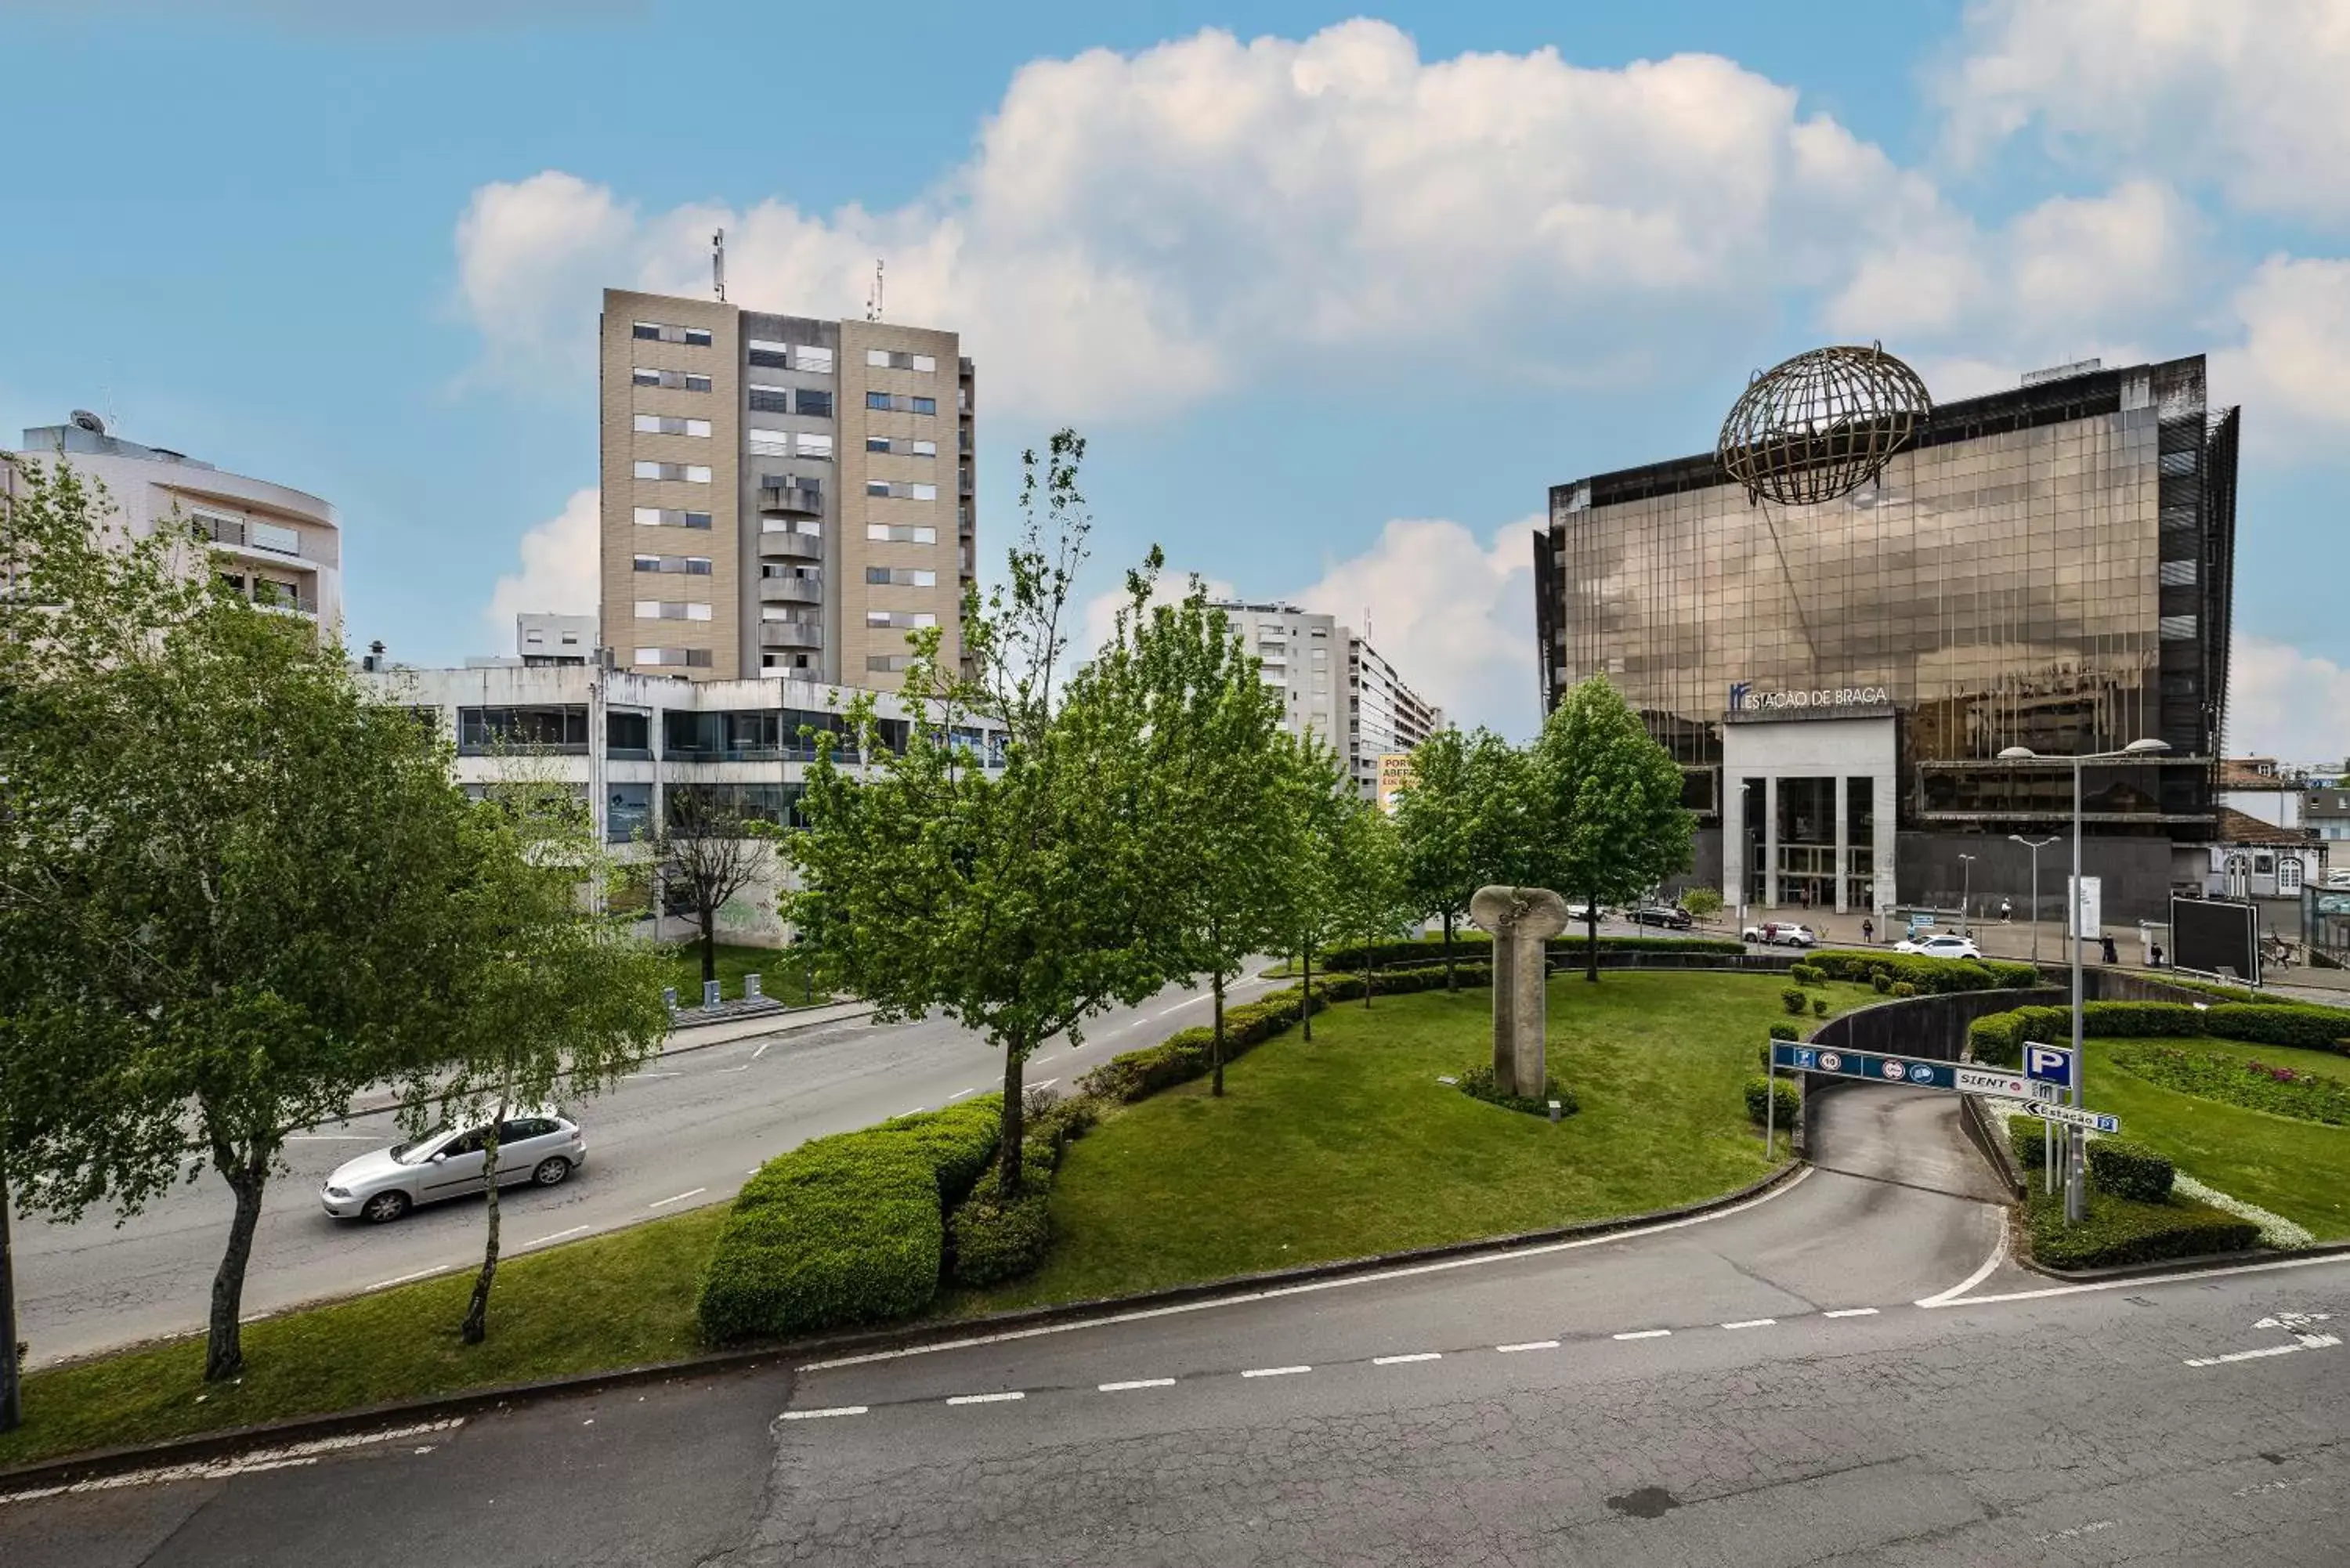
(2048, 1064)
(2096, 1121)
(1993, 1081)
(1958, 1077)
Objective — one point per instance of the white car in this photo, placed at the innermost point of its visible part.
(1780, 934)
(540, 1147)
(1942, 944)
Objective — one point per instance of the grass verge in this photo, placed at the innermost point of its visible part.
(2117, 1231)
(1349, 1145)
(609, 1302)
(2297, 1169)
(778, 971)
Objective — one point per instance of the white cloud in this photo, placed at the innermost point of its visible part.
(1101, 612)
(2246, 95)
(560, 571)
(1137, 231)
(2293, 367)
(2283, 702)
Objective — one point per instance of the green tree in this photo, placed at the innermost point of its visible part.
(1607, 805)
(1461, 822)
(1014, 901)
(249, 892)
(706, 852)
(1308, 862)
(554, 996)
(1367, 878)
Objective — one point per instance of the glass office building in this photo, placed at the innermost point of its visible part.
(2047, 567)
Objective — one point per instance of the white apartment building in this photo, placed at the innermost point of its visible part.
(283, 547)
(1335, 686)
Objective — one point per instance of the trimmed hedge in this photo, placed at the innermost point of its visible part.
(1931, 976)
(1794, 1001)
(1474, 946)
(2027, 1140)
(990, 1240)
(2119, 1231)
(845, 1229)
(2129, 1170)
(1760, 1093)
(1998, 1038)
(1476, 1083)
(1808, 974)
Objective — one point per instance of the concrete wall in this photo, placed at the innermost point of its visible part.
(1934, 1027)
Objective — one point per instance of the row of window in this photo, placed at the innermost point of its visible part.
(671, 517)
(907, 620)
(660, 609)
(899, 403)
(693, 566)
(789, 443)
(891, 359)
(901, 490)
(900, 446)
(688, 658)
(675, 381)
(901, 534)
(806, 356)
(686, 473)
(660, 332)
(900, 577)
(670, 424)
(814, 403)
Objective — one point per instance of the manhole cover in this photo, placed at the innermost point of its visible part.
(1648, 1503)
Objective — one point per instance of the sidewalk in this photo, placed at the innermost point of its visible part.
(694, 1035)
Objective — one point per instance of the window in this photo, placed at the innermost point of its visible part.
(808, 357)
(660, 332)
(689, 473)
(901, 490)
(2289, 874)
(692, 657)
(770, 400)
(813, 403)
(888, 663)
(926, 449)
(924, 405)
(894, 360)
(813, 445)
(675, 381)
(665, 609)
(671, 517)
(271, 537)
(908, 619)
(902, 577)
(899, 403)
(901, 534)
(769, 443)
(670, 424)
(693, 566)
(877, 444)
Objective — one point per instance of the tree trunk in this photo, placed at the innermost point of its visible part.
(1216, 1050)
(1307, 949)
(223, 1351)
(1370, 968)
(1451, 982)
(12, 1410)
(476, 1326)
(709, 946)
(1591, 938)
(1007, 1151)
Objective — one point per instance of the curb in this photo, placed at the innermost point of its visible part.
(2194, 1264)
(105, 1462)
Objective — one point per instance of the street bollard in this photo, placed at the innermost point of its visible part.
(751, 991)
(669, 997)
(710, 996)
(1554, 1110)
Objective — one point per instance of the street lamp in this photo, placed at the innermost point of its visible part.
(1966, 882)
(2035, 845)
(2075, 1196)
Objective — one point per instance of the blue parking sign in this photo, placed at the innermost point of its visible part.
(2048, 1064)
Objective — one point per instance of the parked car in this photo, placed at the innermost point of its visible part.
(539, 1146)
(1578, 914)
(1670, 916)
(1781, 934)
(1942, 944)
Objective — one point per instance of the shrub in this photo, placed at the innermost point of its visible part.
(1905, 988)
(2256, 1085)
(1808, 974)
(2027, 1140)
(1793, 999)
(1819, 1007)
(991, 1238)
(2296, 1024)
(1478, 1084)
(2129, 1170)
(1701, 902)
(1785, 1031)
(1761, 1092)
(1995, 1040)
(843, 1230)
(2118, 1232)
(1928, 975)
(1880, 981)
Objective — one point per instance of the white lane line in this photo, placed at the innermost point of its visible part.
(761, 1051)
(959, 1094)
(1754, 1323)
(331, 1138)
(1275, 1371)
(278, 1459)
(657, 1074)
(1376, 1276)
(1405, 1360)
(1137, 1383)
(903, 1114)
(680, 1198)
(1997, 1256)
(1045, 1084)
(1529, 1345)
(820, 1415)
(986, 1398)
(1646, 1334)
(1851, 1311)
(2144, 1280)
(411, 1279)
(558, 1236)
(2242, 1355)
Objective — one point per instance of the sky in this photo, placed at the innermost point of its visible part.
(1333, 298)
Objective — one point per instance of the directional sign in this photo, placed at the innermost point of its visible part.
(2048, 1064)
(1993, 1081)
(2096, 1121)
(1865, 1064)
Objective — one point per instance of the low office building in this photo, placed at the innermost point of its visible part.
(543, 639)
(280, 548)
(1335, 686)
(2050, 567)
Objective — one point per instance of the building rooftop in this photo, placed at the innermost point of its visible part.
(86, 434)
(2238, 827)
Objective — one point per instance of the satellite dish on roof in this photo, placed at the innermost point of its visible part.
(84, 420)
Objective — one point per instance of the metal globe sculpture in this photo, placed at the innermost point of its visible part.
(1822, 424)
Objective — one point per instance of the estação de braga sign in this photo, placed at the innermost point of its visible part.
(1744, 699)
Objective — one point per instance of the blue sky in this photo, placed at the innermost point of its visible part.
(1334, 298)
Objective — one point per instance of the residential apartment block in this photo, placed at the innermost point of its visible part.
(1335, 686)
(783, 497)
(281, 547)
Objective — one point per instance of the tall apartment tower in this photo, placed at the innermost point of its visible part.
(1335, 686)
(782, 496)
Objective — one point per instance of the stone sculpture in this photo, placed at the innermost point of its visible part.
(1522, 920)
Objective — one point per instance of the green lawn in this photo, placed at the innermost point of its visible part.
(2296, 1169)
(616, 1301)
(1349, 1145)
(779, 975)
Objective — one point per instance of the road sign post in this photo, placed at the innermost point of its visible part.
(1771, 1110)
(2077, 1117)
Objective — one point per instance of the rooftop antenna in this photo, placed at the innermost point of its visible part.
(873, 300)
(718, 265)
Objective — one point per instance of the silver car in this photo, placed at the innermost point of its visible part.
(541, 1146)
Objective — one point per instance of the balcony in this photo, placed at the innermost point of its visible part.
(789, 634)
(791, 591)
(962, 481)
(791, 546)
(791, 499)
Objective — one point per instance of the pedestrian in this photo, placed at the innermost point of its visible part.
(2111, 956)
(2006, 911)
(1868, 930)
(2153, 960)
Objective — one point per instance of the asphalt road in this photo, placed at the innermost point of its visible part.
(1844, 1372)
(686, 1132)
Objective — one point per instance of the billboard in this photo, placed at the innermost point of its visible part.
(2213, 934)
(1395, 774)
(2089, 899)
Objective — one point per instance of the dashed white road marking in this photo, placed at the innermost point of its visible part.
(657, 1074)
(411, 1279)
(278, 1459)
(1275, 1371)
(1529, 1345)
(1402, 1360)
(1646, 1334)
(986, 1399)
(2242, 1355)
(331, 1138)
(1851, 1311)
(959, 1094)
(665, 1202)
(761, 1051)
(1045, 1084)
(820, 1415)
(1754, 1323)
(558, 1236)
(1137, 1383)
(1983, 1272)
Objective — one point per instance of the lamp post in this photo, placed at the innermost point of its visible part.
(2076, 1194)
(1966, 884)
(2035, 845)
